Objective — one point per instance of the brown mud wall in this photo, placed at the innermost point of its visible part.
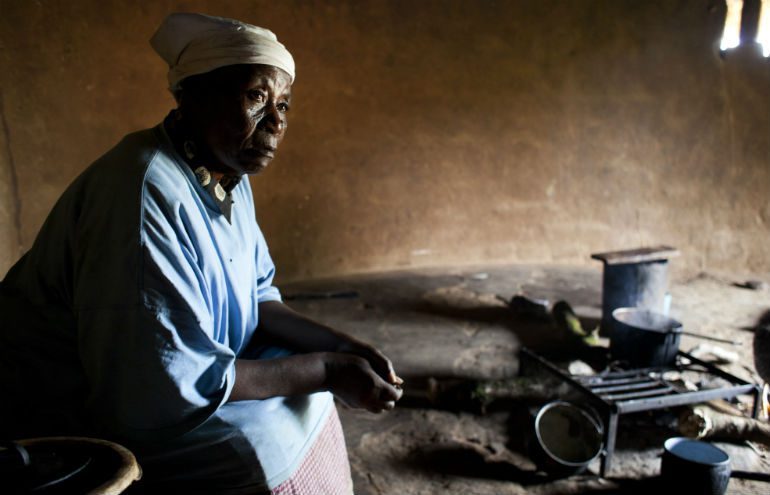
(433, 132)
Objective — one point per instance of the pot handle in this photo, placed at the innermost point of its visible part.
(748, 475)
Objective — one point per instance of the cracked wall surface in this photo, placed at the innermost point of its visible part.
(435, 132)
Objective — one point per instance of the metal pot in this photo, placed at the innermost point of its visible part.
(566, 439)
(644, 338)
(691, 466)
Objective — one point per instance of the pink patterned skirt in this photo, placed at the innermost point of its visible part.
(325, 469)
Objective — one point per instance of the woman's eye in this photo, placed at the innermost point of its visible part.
(257, 96)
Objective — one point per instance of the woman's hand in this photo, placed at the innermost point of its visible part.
(356, 372)
(352, 379)
(282, 325)
(377, 360)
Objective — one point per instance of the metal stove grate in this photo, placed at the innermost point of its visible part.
(616, 392)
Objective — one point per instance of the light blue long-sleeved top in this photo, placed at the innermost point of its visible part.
(126, 316)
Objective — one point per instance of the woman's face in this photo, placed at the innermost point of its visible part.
(237, 116)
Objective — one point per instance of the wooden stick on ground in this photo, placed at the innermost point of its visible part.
(705, 422)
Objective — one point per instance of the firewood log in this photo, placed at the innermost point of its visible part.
(704, 422)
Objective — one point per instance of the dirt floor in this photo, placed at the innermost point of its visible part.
(447, 331)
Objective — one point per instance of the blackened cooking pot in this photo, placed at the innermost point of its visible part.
(644, 338)
(691, 466)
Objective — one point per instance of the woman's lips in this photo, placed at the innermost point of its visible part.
(254, 153)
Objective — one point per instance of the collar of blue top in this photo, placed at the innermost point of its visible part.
(220, 190)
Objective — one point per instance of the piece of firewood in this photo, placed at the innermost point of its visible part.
(704, 422)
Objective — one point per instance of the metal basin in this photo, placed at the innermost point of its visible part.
(567, 439)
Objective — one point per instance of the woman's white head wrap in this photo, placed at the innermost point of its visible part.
(195, 43)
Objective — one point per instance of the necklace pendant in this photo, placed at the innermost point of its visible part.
(203, 176)
(219, 191)
(189, 149)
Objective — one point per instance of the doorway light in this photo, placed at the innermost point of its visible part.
(763, 31)
(731, 35)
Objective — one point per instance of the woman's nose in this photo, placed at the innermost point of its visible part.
(272, 120)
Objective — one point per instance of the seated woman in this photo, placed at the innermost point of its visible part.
(145, 311)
